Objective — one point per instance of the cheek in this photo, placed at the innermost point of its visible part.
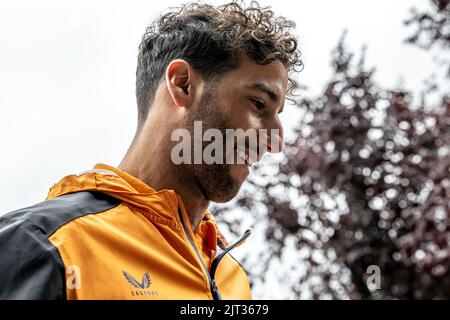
(254, 121)
(243, 116)
(249, 120)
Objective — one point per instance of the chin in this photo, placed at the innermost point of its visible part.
(222, 183)
(238, 173)
(225, 197)
(225, 194)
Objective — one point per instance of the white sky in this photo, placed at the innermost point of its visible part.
(67, 76)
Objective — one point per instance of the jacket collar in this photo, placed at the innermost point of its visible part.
(119, 184)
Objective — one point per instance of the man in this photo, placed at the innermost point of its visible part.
(142, 230)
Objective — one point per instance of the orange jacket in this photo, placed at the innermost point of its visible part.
(104, 234)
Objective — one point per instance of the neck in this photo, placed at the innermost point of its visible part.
(148, 159)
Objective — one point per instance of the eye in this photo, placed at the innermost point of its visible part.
(259, 104)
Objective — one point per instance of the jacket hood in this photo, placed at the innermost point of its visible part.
(116, 183)
(123, 186)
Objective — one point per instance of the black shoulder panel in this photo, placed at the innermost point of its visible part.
(30, 266)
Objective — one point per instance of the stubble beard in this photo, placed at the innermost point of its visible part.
(213, 181)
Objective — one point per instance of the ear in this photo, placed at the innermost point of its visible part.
(180, 82)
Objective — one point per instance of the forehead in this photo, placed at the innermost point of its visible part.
(273, 75)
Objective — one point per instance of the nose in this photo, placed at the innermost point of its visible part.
(273, 142)
(276, 141)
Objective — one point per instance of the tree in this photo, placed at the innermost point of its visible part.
(432, 28)
(366, 182)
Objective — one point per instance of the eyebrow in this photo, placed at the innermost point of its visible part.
(274, 97)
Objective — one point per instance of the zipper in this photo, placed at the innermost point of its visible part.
(216, 261)
(212, 283)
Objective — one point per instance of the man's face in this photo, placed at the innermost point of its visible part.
(249, 97)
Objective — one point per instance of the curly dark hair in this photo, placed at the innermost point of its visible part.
(212, 40)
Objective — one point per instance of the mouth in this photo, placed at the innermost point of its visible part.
(247, 156)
